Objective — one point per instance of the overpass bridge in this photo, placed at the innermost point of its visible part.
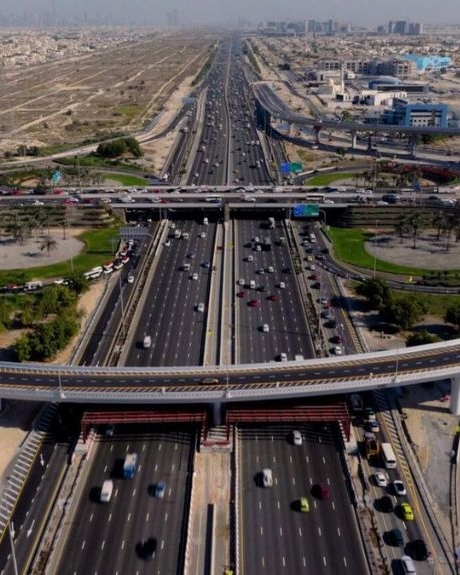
(232, 383)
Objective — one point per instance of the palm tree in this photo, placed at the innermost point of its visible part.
(402, 226)
(438, 222)
(415, 223)
(48, 245)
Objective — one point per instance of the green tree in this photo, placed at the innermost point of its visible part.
(421, 338)
(376, 292)
(404, 311)
(452, 315)
(401, 226)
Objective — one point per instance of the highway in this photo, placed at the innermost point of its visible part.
(105, 538)
(275, 536)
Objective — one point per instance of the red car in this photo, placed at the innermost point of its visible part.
(241, 294)
(314, 276)
(273, 297)
(253, 303)
(321, 491)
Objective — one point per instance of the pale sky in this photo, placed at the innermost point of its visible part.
(197, 12)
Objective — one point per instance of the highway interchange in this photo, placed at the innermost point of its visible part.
(274, 536)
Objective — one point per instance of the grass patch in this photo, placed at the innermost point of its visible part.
(326, 179)
(99, 246)
(128, 110)
(349, 248)
(93, 161)
(437, 304)
(124, 179)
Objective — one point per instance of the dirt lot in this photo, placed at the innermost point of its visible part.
(118, 89)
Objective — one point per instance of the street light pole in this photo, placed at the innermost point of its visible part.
(375, 249)
(13, 551)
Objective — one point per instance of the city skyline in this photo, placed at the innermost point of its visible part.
(226, 12)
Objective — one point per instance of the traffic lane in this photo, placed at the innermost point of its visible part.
(277, 507)
(131, 514)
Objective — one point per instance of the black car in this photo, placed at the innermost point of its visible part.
(417, 549)
(385, 504)
(149, 548)
(395, 537)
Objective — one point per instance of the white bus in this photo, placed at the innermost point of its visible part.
(388, 455)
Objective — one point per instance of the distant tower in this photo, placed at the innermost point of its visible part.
(342, 79)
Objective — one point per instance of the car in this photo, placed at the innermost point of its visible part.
(408, 565)
(312, 267)
(283, 356)
(385, 504)
(241, 282)
(323, 300)
(337, 350)
(373, 426)
(209, 380)
(296, 437)
(304, 507)
(265, 328)
(167, 243)
(240, 294)
(282, 285)
(380, 479)
(331, 324)
(206, 265)
(395, 537)
(273, 297)
(261, 271)
(110, 430)
(267, 478)
(160, 489)
(191, 255)
(336, 339)
(418, 550)
(406, 511)
(253, 303)
(250, 258)
(399, 488)
(130, 279)
(270, 269)
(194, 276)
(321, 491)
(148, 548)
(356, 402)
(260, 288)
(326, 314)
(200, 307)
(369, 414)
(314, 277)
(202, 234)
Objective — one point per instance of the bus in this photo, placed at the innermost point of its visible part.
(317, 198)
(388, 456)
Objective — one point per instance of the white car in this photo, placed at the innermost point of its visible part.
(282, 285)
(381, 479)
(337, 350)
(194, 276)
(267, 478)
(398, 487)
(130, 279)
(296, 437)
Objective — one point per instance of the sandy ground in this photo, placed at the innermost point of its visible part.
(430, 253)
(32, 253)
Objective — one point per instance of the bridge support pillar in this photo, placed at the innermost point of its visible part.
(353, 140)
(216, 414)
(455, 395)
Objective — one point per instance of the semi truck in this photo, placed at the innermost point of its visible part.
(130, 466)
(106, 491)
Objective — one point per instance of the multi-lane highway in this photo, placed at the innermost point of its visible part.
(108, 538)
(276, 536)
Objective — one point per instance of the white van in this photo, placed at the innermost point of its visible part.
(252, 284)
(106, 491)
(408, 565)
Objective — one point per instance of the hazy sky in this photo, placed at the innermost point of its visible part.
(229, 11)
